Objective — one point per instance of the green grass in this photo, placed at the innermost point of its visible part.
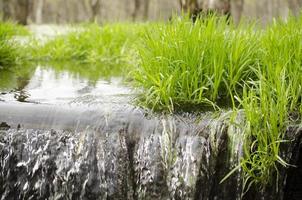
(11, 29)
(215, 63)
(110, 45)
(180, 65)
(10, 51)
(196, 64)
(271, 101)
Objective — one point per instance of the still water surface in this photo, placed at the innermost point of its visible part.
(42, 84)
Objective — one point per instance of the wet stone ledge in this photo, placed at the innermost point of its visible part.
(135, 157)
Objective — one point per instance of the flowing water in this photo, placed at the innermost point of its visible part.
(66, 135)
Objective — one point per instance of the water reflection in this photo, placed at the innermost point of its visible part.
(92, 73)
(61, 84)
(16, 78)
(20, 93)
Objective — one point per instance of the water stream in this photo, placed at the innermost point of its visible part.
(68, 134)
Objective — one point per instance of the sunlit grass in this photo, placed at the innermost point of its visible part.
(10, 29)
(214, 63)
(274, 96)
(111, 45)
(10, 50)
(199, 64)
(180, 65)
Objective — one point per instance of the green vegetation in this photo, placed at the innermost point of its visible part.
(273, 101)
(10, 29)
(108, 45)
(212, 62)
(196, 64)
(180, 65)
(10, 53)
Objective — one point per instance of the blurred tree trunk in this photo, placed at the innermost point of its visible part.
(295, 6)
(22, 11)
(141, 9)
(146, 9)
(236, 8)
(6, 9)
(195, 7)
(137, 5)
(17, 10)
(38, 17)
(85, 6)
(95, 8)
(224, 7)
(189, 6)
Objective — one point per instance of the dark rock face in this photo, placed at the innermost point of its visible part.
(4, 126)
(130, 156)
(293, 189)
(125, 157)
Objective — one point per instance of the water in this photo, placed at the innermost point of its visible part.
(126, 156)
(71, 133)
(79, 135)
(45, 85)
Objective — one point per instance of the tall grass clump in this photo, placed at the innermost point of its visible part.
(272, 101)
(201, 63)
(11, 29)
(10, 50)
(213, 62)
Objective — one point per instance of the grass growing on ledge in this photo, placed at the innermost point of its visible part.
(210, 62)
(273, 99)
(198, 64)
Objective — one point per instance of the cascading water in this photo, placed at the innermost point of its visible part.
(83, 140)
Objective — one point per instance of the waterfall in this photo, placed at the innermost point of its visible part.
(88, 154)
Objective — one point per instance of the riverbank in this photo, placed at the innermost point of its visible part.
(180, 66)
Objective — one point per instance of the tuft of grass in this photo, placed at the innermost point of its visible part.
(10, 51)
(213, 62)
(10, 29)
(197, 64)
(269, 103)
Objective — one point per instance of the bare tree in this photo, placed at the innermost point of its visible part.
(146, 9)
(39, 10)
(95, 8)
(22, 11)
(189, 6)
(17, 10)
(295, 6)
(137, 5)
(224, 7)
(6, 9)
(141, 9)
(236, 7)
